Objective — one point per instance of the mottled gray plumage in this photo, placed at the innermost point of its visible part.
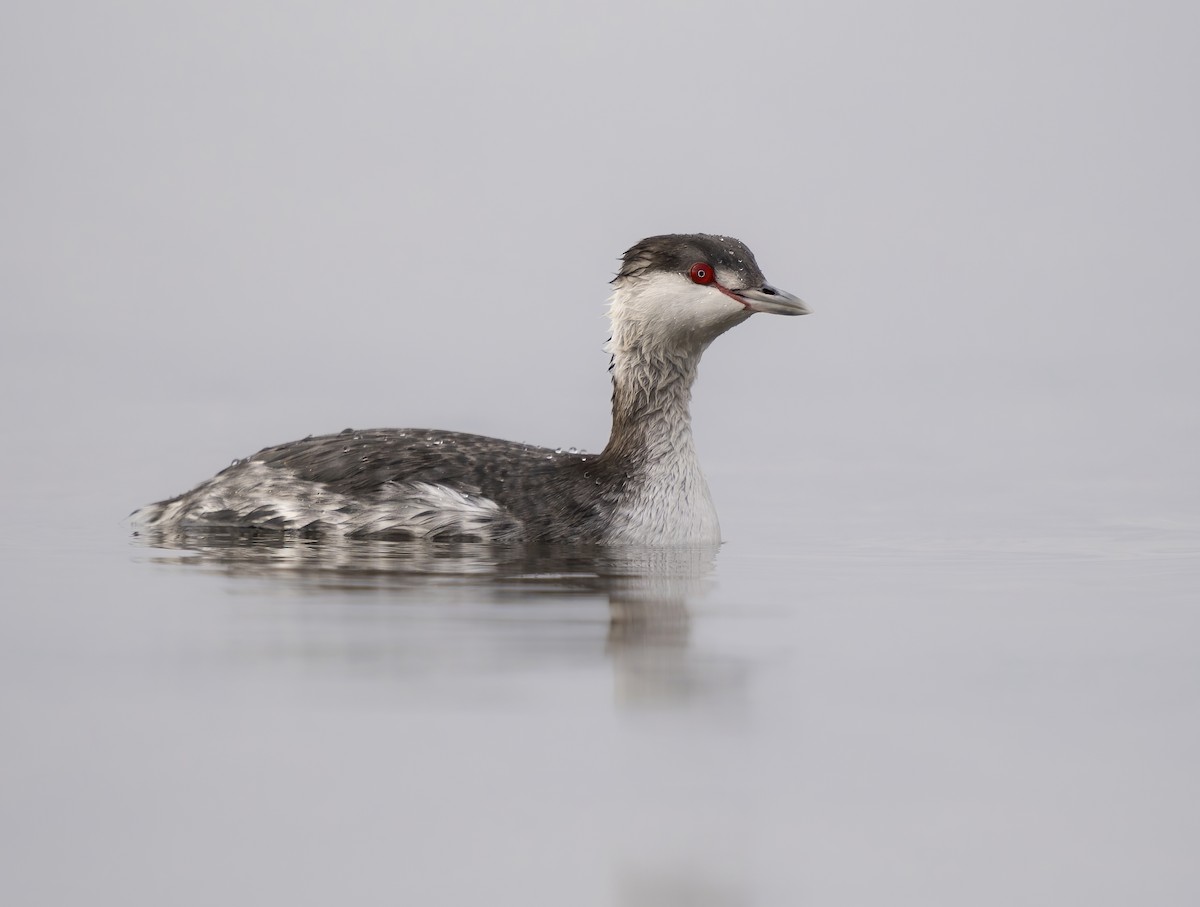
(543, 494)
(646, 486)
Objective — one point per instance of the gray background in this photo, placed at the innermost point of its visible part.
(963, 490)
(407, 214)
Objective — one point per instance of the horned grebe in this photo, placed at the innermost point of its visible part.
(672, 297)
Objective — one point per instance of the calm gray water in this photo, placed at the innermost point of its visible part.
(896, 709)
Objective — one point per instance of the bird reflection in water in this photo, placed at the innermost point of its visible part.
(539, 594)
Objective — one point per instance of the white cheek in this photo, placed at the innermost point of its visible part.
(667, 306)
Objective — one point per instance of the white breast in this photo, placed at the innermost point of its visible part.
(672, 506)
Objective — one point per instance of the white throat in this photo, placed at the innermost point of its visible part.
(661, 326)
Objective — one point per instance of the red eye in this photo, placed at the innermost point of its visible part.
(702, 272)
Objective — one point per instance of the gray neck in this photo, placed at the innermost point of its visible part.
(664, 498)
(652, 394)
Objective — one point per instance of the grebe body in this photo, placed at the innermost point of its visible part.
(672, 297)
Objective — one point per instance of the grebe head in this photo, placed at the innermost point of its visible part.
(685, 290)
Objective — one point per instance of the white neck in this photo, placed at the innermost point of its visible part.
(667, 500)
